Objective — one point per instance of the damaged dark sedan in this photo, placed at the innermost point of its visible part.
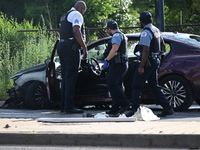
(38, 87)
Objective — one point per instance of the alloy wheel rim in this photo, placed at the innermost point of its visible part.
(175, 93)
(40, 97)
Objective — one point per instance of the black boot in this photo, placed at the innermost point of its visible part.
(112, 111)
(124, 108)
(131, 112)
(74, 111)
(166, 112)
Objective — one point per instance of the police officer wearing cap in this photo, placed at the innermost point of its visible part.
(116, 63)
(71, 40)
(150, 43)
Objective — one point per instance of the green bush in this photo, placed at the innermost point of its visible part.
(20, 50)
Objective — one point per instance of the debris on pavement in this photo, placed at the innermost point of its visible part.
(143, 114)
(7, 126)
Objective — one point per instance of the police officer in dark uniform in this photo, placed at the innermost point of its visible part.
(150, 43)
(71, 40)
(116, 63)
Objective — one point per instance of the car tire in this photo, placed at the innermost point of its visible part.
(36, 96)
(197, 101)
(178, 92)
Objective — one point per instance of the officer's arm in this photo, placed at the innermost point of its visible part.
(79, 38)
(145, 55)
(113, 51)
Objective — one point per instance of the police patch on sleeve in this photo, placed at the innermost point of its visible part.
(143, 34)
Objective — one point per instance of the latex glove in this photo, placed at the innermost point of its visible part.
(105, 65)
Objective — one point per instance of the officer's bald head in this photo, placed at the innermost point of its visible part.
(80, 6)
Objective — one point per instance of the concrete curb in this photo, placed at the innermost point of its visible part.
(126, 140)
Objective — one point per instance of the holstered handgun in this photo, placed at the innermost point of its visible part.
(75, 45)
(117, 58)
(120, 58)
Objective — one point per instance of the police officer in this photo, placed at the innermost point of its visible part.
(150, 42)
(116, 63)
(71, 39)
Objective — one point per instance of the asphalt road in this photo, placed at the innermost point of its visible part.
(177, 131)
(192, 114)
(39, 147)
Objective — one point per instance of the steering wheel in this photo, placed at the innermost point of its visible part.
(94, 66)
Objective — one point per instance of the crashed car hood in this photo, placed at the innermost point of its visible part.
(40, 67)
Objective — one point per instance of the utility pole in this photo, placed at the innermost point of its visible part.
(159, 9)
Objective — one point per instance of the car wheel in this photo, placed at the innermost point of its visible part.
(36, 96)
(178, 92)
(197, 101)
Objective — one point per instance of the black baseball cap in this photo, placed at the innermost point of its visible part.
(145, 15)
(112, 25)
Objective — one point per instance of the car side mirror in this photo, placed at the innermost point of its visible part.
(47, 61)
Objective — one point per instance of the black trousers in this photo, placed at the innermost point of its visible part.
(70, 60)
(115, 77)
(151, 76)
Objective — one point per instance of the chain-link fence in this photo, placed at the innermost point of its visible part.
(192, 29)
(97, 33)
(94, 34)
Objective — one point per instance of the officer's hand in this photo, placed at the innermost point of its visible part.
(84, 54)
(105, 65)
(141, 70)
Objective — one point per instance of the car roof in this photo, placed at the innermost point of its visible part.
(185, 38)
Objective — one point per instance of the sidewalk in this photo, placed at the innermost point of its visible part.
(162, 133)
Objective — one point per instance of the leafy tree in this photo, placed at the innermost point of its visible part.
(188, 8)
(97, 14)
(100, 11)
(13, 8)
(144, 5)
(20, 50)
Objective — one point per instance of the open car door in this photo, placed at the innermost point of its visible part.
(51, 82)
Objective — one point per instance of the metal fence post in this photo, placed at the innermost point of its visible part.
(159, 10)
